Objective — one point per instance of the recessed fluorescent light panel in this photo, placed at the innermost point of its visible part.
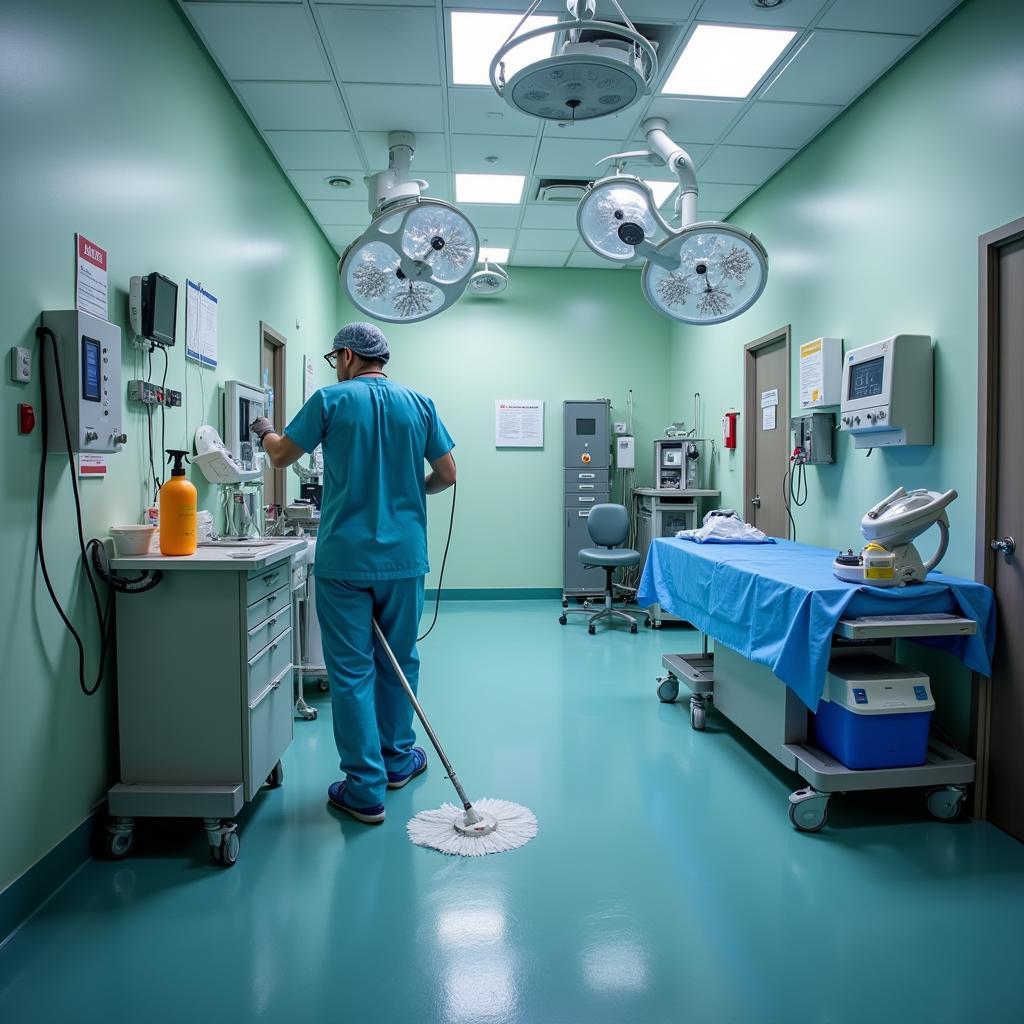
(493, 254)
(489, 188)
(661, 189)
(724, 60)
(477, 37)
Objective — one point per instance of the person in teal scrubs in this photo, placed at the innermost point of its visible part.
(371, 554)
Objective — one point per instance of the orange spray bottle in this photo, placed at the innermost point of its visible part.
(178, 518)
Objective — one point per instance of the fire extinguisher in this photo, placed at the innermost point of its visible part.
(729, 428)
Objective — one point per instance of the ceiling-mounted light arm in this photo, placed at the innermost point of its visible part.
(678, 161)
(639, 156)
(396, 183)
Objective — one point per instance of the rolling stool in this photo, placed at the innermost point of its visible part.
(608, 525)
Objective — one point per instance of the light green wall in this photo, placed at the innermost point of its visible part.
(115, 123)
(873, 231)
(552, 335)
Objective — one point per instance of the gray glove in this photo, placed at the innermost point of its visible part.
(261, 426)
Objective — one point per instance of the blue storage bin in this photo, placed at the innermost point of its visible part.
(874, 714)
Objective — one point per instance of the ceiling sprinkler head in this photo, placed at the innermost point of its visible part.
(767, 4)
(339, 181)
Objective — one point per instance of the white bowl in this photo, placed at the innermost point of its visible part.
(132, 540)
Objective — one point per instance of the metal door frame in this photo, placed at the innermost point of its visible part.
(278, 343)
(989, 246)
(751, 406)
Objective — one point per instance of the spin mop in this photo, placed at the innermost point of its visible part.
(488, 826)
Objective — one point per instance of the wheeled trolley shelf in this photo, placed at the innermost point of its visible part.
(755, 700)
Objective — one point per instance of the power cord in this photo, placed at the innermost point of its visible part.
(797, 472)
(440, 578)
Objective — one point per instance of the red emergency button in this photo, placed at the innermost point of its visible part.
(585, 457)
(26, 418)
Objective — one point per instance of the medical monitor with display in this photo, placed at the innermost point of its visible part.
(586, 427)
(90, 369)
(866, 378)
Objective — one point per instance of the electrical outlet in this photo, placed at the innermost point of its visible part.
(172, 398)
(145, 392)
(21, 365)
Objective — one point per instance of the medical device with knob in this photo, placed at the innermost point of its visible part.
(890, 559)
(416, 257)
(584, 78)
(242, 487)
(701, 272)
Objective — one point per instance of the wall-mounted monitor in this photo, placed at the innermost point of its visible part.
(153, 308)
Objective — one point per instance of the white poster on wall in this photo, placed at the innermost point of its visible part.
(200, 324)
(768, 417)
(518, 423)
(308, 378)
(812, 374)
(90, 277)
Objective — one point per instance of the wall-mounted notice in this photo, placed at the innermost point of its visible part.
(308, 378)
(518, 423)
(92, 465)
(821, 370)
(200, 324)
(768, 418)
(90, 277)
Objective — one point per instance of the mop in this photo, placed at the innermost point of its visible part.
(488, 826)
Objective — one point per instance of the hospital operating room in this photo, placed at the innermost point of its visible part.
(513, 510)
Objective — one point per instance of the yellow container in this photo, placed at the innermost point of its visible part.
(178, 518)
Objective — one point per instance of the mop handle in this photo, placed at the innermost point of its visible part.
(422, 716)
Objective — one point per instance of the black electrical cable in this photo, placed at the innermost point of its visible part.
(789, 499)
(440, 578)
(163, 418)
(146, 581)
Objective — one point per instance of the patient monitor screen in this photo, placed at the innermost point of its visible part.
(586, 426)
(866, 378)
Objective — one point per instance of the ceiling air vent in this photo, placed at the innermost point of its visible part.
(561, 190)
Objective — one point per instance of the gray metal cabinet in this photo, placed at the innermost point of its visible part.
(587, 473)
(204, 689)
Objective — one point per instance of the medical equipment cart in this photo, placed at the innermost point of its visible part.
(769, 712)
(204, 688)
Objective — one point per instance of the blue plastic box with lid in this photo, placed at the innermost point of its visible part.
(874, 713)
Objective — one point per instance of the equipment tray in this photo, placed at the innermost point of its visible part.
(696, 670)
(876, 627)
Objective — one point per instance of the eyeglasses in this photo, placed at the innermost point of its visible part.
(331, 358)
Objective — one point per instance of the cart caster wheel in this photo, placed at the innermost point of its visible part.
(946, 803)
(668, 689)
(226, 855)
(697, 716)
(808, 810)
(276, 776)
(562, 619)
(586, 603)
(632, 628)
(323, 686)
(591, 630)
(565, 602)
(119, 844)
(647, 621)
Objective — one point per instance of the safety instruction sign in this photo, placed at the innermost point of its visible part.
(812, 374)
(200, 324)
(92, 465)
(518, 423)
(90, 277)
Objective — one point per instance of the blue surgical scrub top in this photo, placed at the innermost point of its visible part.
(375, 436)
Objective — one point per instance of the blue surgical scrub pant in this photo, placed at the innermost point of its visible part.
(372, 713)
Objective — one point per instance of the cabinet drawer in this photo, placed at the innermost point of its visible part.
(269, 663)
(270, 730)
(267, 606)
(585, 500)
(266, 581)
(265, 632)
(586, 480)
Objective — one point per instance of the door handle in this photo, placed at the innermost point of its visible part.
(756, 501)
(1007, 546)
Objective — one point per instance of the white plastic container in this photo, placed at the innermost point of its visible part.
(132, 540)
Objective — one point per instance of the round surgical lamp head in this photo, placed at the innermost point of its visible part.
(706, 274)
(616, 215)
(412, 262)
(583, 80)
(488, 281)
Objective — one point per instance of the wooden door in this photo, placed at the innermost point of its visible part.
(1001, 520)
(766, 432)
(272, 375)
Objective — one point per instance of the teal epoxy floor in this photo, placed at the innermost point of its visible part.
(666, 884)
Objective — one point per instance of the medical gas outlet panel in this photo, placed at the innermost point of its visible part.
(89, 359)
(887, 392)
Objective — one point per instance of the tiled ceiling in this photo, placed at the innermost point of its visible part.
(325, 80)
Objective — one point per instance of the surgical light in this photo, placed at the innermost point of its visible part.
(600, 68)
(416, 257)
(702, 272)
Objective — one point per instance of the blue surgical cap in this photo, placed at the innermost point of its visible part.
(364, 340)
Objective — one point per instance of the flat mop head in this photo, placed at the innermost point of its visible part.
(500, 826)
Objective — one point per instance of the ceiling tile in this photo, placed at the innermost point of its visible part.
(500, 238)
(696, 120)
(714, 196)
(293, 105)
(341, 236)
(575, 158)
(792, 14)
(835, 67)
(538, 258)
(551, 215)
(614, 126)
(261, 41)
(660, 172)
(910, 16)
(431, 152)
(584, 259)
(539, 238)
(481, 111)
(743, 165)
(376, 45)
(470, 154)
(485, 215)
(386, 108)
(313, 150)
(380, 3)
(313, 185)
(781, 124)
(338, 211)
